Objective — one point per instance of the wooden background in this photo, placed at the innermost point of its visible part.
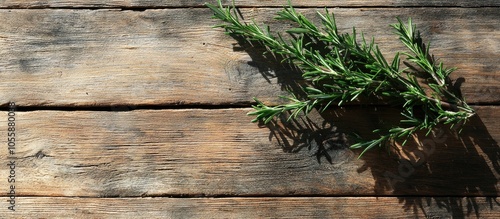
(131, 109)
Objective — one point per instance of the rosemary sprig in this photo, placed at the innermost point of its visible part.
(339, 68)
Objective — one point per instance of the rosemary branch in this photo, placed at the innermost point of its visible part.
(339, 68)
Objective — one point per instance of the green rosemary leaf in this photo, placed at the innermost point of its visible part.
(298, 30)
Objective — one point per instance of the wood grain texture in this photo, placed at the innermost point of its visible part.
(142, 151)
(338, 207)
(243, 3)
(76, 58)
(220, 153)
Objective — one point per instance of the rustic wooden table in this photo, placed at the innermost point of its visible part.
(136, 109)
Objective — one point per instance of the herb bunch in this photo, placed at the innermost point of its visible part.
(340, 68)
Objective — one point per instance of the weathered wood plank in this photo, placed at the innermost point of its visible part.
(220, 153)
(244, 3)
(172, 56)
(338, 207)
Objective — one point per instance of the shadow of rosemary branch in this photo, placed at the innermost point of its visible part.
(271, 66)
(323, 141)
(441, 175)
(457, 166)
